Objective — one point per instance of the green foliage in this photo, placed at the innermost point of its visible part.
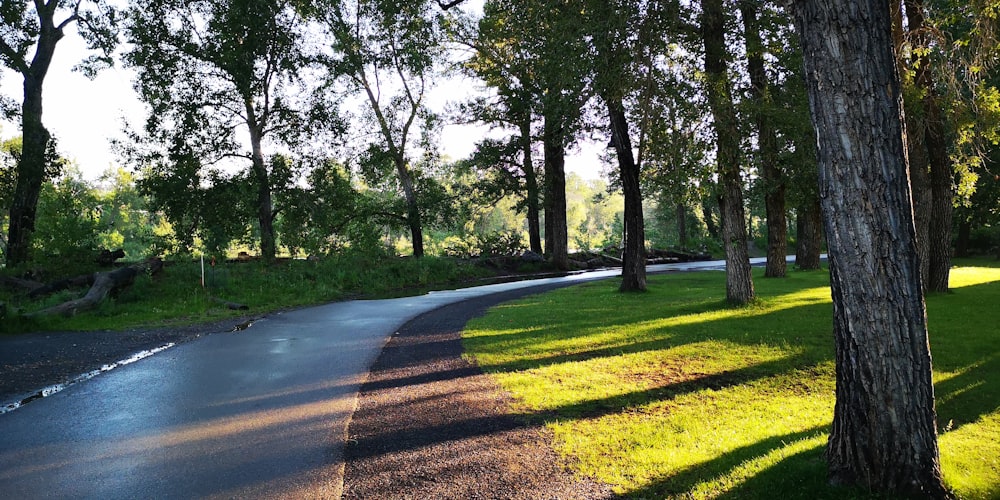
(674, 394)
(125, 220)
(592, 213)
(96, 21)
(494, 244)
(76, 219)
(66, 232)
(211, 71)
(329, 214)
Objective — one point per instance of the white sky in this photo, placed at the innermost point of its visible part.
(85, 115)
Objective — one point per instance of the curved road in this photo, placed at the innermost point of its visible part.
(259, 413)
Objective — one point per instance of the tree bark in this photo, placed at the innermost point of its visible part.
(938, 245)
(773, 177)
(942, 204)
(531, 186)
(710, 226)
(739, 282)
(921, 192)
(962, 241)
(412, 207)
(916, 149)
(35, 142)
(265, 207)
(682, 239)
(556, 232)
(634, 255)
(809, 228)
(884, 434)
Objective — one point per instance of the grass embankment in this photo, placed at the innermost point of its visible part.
(175, 296)
(674, 394)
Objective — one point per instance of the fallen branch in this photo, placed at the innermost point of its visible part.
(105, 283)
(231, 305)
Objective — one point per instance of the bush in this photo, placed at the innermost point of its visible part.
(501, 243)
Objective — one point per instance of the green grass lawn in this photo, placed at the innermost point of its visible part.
(672, 393)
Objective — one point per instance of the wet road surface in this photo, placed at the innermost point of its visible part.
(258, 413)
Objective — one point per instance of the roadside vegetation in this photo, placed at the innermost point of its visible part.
(675, 394)
(176, 295)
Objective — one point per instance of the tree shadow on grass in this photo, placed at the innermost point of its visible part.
(594, 408)
(805, 469)
(800, 473)
(739, 329)
(964, 398)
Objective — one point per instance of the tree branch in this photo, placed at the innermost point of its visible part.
(448, 5)
(21, 66)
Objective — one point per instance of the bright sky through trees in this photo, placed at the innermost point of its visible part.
(84, 115)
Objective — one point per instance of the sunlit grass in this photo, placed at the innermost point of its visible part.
(674, 394)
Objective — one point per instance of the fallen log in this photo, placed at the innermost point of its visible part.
(612, 258)
(105, 283)
(231, 305)
(21, 284)
(60, 285)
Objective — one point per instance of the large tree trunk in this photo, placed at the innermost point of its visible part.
(706, 214)
(634, 256)
(884, 433)
(916, 149)
(35, 143)
(774, 181)
(938, 245)
(412, 208)
(556, 232)
(531, 186)
(942, 204)
(921, 193)
(964, 234)
(265, 207)
(682, 239)
(739, 282)
(809, 228)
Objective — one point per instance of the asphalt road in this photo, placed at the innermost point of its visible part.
(258, 413)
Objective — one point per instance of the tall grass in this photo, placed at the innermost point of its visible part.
(674, 394)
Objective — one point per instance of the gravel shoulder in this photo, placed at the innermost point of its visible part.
(431, 425)
(30, 362)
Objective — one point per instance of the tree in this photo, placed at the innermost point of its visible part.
(42, 24)
(739, 282)
(328, 214)
(615, 41)
(767, 141)
(931, 141)
(209, 68)
(884, 432)
(499, 61)
(550, 38)
(505, 168)
(388, 52)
